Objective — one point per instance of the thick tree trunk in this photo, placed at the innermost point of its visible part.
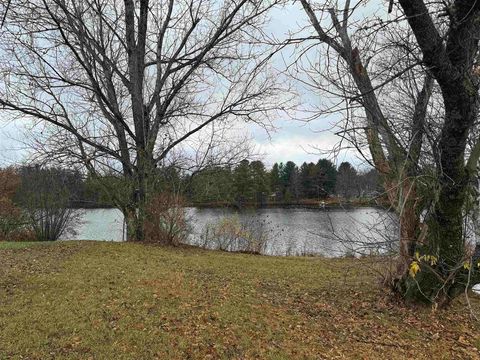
(131, 224)
(135, 219)
(141, 199)
(448, 214)
(441, 281)
(135, 211)
(402, 196)
(451, 60)
(409, 226)
(452, 63)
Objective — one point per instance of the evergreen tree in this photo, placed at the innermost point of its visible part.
(289, 180)
(326, 177)
(347, 184)
(243, 183)
(308, 175)
(275, 178)
(260, 180)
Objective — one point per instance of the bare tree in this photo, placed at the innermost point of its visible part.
(417, 138)
(4, 16)
(357, 89)
(126, 83)
(45, 197)
(451, 55)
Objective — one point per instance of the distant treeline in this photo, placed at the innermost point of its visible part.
(248, 183)
(81, 191)
(253, 183)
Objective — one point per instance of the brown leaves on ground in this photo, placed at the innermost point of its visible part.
(124, 301)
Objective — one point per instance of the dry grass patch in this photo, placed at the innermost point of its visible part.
(83, 300)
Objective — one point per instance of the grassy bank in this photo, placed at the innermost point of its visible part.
(80, 300)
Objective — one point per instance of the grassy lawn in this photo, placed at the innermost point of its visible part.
(86, 300)
(20, 245)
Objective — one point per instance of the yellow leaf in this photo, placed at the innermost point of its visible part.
(466, 265)
(414, 268)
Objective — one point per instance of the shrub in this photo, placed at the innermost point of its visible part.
(45, 199)
(232, 234)
(165, 221)
(12, 222)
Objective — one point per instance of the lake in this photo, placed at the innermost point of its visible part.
(288, 231)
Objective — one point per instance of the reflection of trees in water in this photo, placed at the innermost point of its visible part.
(360, 237)
(232, 232)
(306, 232)
(287, 231)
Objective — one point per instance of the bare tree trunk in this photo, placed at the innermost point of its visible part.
(461, 113)
(451, 63)
(397, 164)
(409, 220)
(402, 196)
(431, 255)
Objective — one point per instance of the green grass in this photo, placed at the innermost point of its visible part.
(81, 300)
(20, 245)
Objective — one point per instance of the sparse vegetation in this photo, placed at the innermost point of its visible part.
(45, 201)
(166, 221)
(231, 234)
(12, 220)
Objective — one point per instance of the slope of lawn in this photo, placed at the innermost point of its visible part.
(97, 300)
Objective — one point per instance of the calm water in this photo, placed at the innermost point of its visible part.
(288, 231)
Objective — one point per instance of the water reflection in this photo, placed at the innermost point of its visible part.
(289, 231)
(310, 231)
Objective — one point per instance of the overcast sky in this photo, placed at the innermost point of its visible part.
(293, 140)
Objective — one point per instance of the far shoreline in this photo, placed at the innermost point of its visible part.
(326, 204)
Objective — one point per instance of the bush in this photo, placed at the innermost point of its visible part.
(231, 234)
(50, 223)
(165, 221)
(12, 221)
(45, 199)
